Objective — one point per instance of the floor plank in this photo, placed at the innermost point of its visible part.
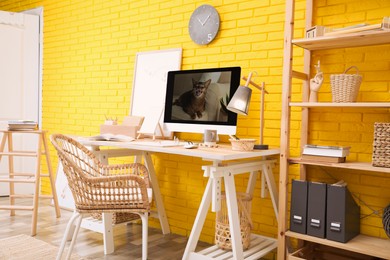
(127, 238)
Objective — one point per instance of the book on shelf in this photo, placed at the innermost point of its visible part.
(353, 29)
(22, 125)
(319, 158)
(322, 150)
(111, 137)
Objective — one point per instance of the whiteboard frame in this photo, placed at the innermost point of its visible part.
(156, 64)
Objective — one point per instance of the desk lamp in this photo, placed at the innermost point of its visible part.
(240, 104)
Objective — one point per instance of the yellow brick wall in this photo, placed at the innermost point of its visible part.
(89, 53)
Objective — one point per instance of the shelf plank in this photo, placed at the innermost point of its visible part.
(362, 244)
(16, 207)
(374, 37)
(19, 153)
(17, 180)
(364, 166)
(350, 104)
(259, 247)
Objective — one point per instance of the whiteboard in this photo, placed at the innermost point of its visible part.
(149, 86)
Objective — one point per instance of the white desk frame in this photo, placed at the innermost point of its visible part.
(216, 172)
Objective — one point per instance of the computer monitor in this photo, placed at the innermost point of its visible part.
(196, 100)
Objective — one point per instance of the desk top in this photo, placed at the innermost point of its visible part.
(223, 152)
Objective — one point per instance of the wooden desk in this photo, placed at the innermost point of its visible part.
(220, 169)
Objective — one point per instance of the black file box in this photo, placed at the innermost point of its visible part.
(298, 210)
(343, 214)
(316, 209)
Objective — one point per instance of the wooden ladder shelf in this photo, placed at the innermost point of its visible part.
(14, 178)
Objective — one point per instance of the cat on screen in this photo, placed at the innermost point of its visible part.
(193, 101)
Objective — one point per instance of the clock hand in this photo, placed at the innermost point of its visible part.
(205, 21)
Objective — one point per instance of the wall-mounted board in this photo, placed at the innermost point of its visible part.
(149, 86)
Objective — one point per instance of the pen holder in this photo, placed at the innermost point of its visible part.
(110, 122)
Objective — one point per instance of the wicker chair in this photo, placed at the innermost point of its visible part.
(98, 188)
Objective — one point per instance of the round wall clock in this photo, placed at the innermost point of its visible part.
(204, 24)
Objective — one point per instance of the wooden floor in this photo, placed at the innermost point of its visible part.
(127, 237)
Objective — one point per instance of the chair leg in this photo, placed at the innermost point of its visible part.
(76, 232)
(108, 233)
(69, 227)
(144, 219)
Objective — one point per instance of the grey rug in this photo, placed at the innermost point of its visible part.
(23, 247)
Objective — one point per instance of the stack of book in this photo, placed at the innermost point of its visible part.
(321, 153)
(354, 29)
(22, 125)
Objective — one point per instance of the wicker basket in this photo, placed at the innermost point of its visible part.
(118, 217)
(222, 229)
(242, 144)
(345, 87)
(381, 145)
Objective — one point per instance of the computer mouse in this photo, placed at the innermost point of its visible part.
(190, 146)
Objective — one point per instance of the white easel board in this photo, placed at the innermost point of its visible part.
(149, 86)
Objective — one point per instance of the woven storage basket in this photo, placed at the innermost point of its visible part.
(381, 145)
(117, 217)
(242, 144)
(345, 87)
(222, 229)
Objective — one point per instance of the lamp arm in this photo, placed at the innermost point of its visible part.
(262, 113)
(248, 80)
(255, 85)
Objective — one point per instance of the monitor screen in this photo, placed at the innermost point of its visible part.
(196, 100)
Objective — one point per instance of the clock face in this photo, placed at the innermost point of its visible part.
(204, 24)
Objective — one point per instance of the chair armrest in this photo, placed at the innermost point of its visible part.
(120, 191)
(125, 169)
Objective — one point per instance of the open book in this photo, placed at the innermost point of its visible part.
(112, 137)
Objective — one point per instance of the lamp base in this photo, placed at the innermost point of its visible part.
(261, 147)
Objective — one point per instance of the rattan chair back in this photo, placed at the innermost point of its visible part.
(98, 188)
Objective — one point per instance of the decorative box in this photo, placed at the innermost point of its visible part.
(315, 31)
(129, 127)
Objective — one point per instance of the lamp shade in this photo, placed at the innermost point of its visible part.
(240, 101)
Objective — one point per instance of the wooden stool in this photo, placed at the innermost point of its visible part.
(32, 178)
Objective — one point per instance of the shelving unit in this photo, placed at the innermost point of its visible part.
(363, 244)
